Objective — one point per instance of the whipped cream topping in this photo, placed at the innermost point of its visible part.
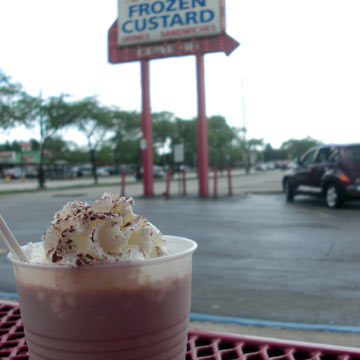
(105, 231)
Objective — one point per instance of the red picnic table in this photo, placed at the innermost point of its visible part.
(202, 345)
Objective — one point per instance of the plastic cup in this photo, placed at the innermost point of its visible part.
(124, 310)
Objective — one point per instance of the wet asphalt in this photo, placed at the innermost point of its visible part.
(258, 257)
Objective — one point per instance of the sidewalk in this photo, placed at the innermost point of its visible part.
(255, 182)
(319, 337)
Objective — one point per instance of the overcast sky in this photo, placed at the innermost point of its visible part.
(299, 61)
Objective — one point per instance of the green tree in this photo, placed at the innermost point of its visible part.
(296, 148)
(221, 137)
(248, 147)
(271, 154)
(57, 149)
(50, 115)
(251, 146)
(126, 141)
(35, 145)
(164, 128)
(185, 133)
(77, 156)
(95, 122)
(14, 146)
(105, 155)
(10, 96)
(164, 132)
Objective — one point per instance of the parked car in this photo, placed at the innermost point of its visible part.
(158, 172)
(13, 173)
(31, 172)
(84, 171)
(117, 170)
(265, 166)
(329, 171)
(102, 171)
(260, 166)
(285, 165)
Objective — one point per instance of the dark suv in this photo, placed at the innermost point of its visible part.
(329, 171)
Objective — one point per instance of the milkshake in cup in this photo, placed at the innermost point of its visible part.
(105, 284)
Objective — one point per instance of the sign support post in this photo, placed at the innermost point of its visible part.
(146, 127)
(148, 29)
(202, 133)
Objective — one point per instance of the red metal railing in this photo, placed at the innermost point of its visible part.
(168, 181)
(215, 182)
(123, 182)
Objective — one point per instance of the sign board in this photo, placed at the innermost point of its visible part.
(222, 42)
(151, 21)
(143, 144)
(27, 159)
(25, 146)
(179, 153)
(6, 156)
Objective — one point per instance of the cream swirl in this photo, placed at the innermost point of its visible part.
(106, 231)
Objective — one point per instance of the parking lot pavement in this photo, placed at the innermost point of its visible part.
(258, 256)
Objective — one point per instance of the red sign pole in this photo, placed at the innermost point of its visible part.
(180, 47)
(202, 134)
(146, 126)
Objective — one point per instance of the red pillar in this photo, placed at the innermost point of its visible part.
(123, 182)
(202, 134)
(184, 181)
(215, 182)
(146, 126)
(229, 180)
(168, 181)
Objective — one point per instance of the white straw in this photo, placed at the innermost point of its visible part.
(8, 238)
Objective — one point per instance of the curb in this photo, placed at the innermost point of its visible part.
(274, 324)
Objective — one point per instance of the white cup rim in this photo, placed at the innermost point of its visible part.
(188, 244)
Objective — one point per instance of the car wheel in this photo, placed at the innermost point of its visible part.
(289, 191)
(333, 196)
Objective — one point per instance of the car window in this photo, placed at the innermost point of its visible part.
(309, 158)
(354, 153)
(335, 156)
(324, 155)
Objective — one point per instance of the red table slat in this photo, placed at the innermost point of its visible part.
(202, 345)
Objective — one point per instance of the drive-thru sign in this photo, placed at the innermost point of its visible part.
(149, 29)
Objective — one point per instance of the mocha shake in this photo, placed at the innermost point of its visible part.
(105, 284)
